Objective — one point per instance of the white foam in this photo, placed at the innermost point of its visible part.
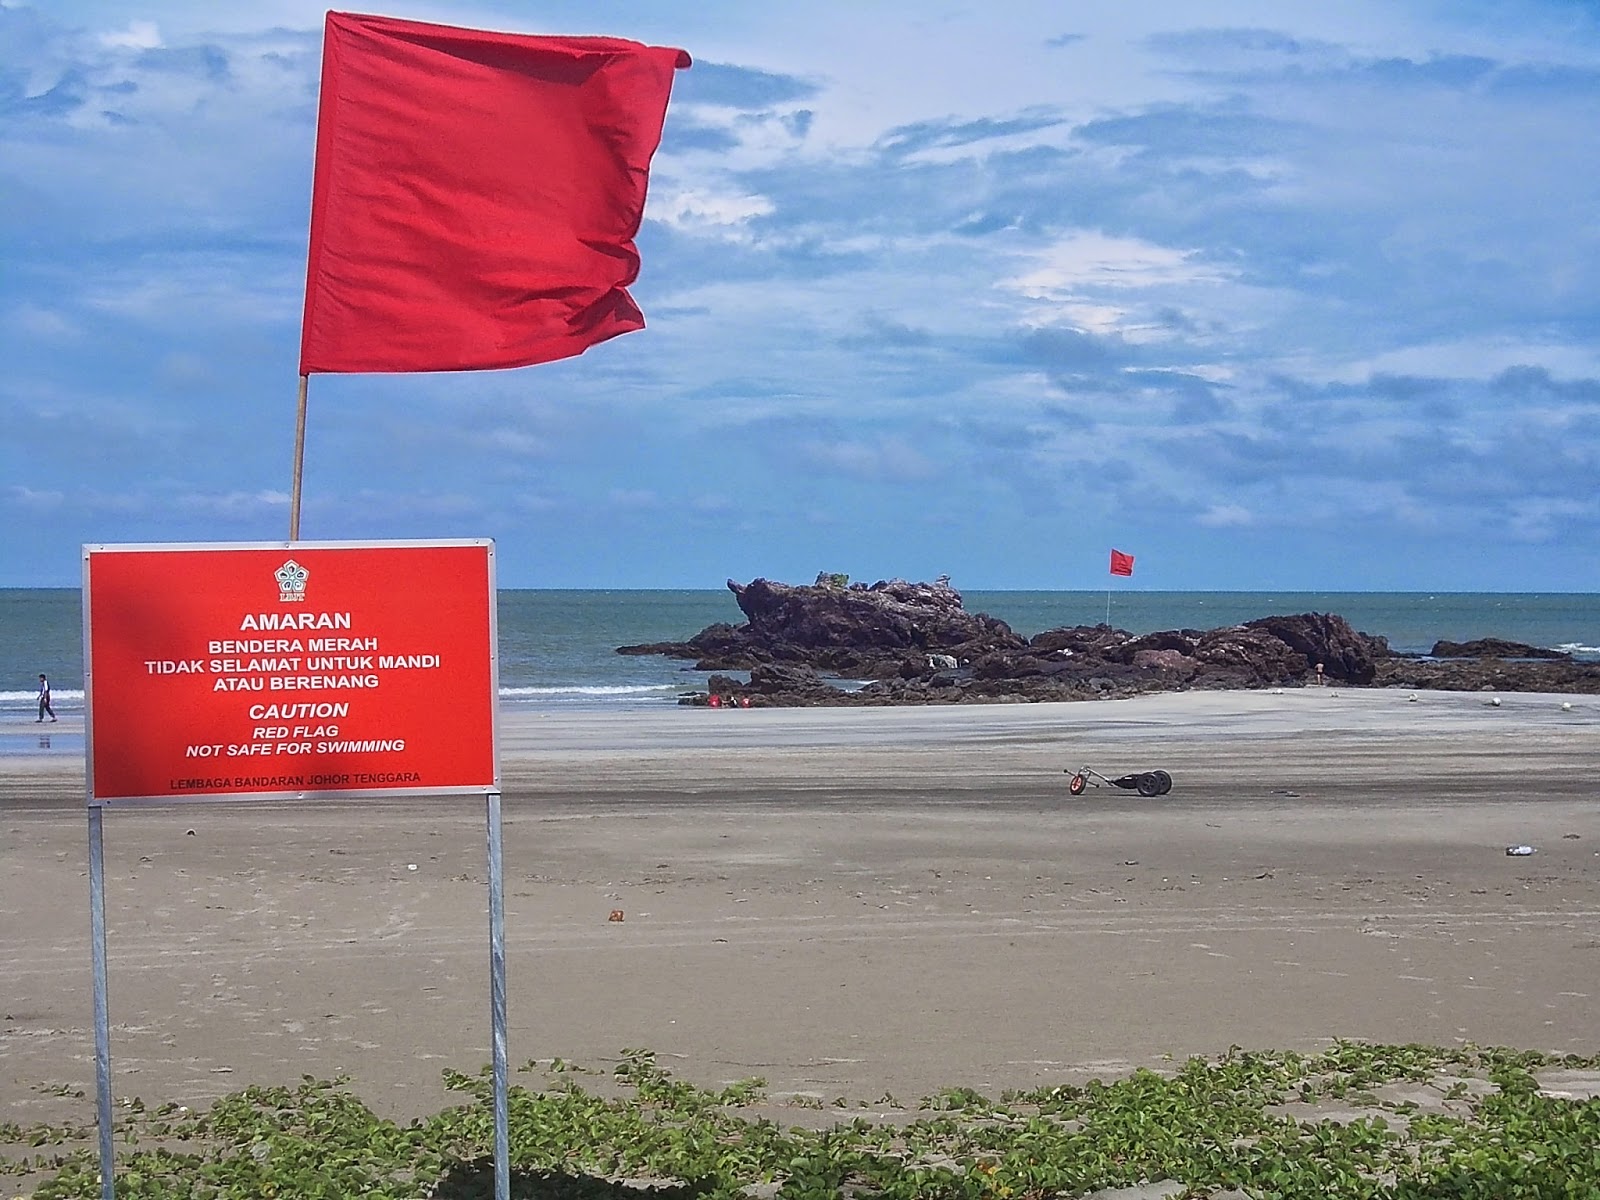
(56, 694)
(575, 690)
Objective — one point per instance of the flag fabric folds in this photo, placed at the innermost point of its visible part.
(476, 194)
(1121, 564)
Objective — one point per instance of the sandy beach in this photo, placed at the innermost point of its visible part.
(848, 903)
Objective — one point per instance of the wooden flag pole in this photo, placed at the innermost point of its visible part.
(299, 462)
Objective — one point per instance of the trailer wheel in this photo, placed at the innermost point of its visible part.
(1164, 780)
(1149, 785)
(1076, 784)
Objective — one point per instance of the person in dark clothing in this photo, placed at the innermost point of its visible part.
(44, 699)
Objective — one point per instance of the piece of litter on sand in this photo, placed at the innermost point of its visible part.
(1519, 851)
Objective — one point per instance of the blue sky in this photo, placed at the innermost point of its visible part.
(1272, 296)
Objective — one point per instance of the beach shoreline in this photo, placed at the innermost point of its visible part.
(845, 902)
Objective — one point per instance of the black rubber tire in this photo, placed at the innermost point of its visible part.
(1149, 785)
(1076, 784)
(1165, 780)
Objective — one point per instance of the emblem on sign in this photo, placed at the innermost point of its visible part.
(291, 582)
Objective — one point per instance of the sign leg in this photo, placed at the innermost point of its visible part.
(102, 1020)
(497, 1005)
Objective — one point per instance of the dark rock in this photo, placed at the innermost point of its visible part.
(865, 621)
(719, 647)
(1251, 654)
(1491, 674)
(667, 649)
(1495, 648)
(1097, 640)
(1347, 656)
(1180, 642)
(1175, 661)
(772, 678)
(791, 686)
(719, 640)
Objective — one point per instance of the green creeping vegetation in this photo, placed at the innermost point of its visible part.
(1247, 1121)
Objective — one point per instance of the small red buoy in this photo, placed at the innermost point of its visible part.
(744, 701)
(715, 701)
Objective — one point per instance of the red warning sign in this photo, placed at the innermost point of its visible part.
(290, 669)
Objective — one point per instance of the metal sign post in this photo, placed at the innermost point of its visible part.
(102, 1009)
(497, 1005)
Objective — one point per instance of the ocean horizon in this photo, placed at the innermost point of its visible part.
(557, 646)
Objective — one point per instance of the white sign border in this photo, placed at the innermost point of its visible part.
(409, 793)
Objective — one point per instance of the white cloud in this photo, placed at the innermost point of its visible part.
(40, 499)
(1476, 358)
(185, 291)
(1541, 518)
(34, 321)
(232, 505)
(887, 459)
(1089, 260)
(139, 35)
(1226, 516)
(704, 211)
(633, 498)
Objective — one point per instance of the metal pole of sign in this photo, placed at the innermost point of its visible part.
(497, 1005)
(102, 1020)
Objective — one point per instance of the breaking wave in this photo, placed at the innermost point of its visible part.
(57, 696)
(600, 694)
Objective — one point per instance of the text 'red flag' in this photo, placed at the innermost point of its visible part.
(476, 194)
(1121, 564)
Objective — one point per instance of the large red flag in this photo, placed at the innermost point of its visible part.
(1121, 564)
(476, 194)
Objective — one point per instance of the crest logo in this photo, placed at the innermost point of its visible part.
(291, 579)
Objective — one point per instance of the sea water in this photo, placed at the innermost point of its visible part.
(557, 648)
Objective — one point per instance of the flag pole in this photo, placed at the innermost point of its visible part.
(299, 462)
(1108, 604)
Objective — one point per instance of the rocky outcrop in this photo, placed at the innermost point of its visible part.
(889, 629)
(1346, 656)
(914, 643)
(1491, 675)
(1495, 648)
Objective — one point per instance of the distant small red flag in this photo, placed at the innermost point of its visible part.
(476, 194)
(1121, 564)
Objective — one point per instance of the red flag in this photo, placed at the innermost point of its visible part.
(476, 194)
(1121, 564)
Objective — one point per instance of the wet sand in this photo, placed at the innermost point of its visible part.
(848, 903)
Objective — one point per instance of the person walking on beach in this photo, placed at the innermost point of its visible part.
(44, 699)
